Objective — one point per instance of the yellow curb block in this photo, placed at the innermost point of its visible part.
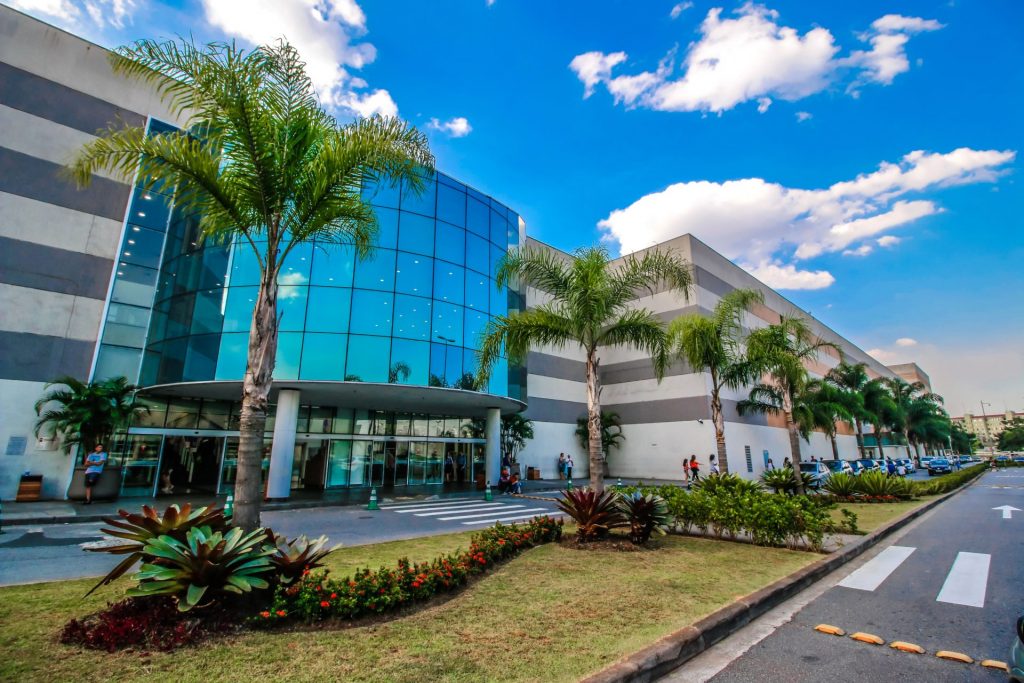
(829, 629)
(868, 638)
(907, 647)
(995, 664)
(955, 656)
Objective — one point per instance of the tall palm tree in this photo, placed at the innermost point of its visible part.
(262, 164)
(851, 379)
(590, 305)
(714, 345)
(904, 395)
(927, 422)
(880, 410)
(781, 352)
(819, 406)
(86, 414)
(611, 431)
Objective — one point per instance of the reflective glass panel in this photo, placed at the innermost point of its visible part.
(296, 267)
(499, 378)
(478, 218)
(478, 253)
(415, 274)
(447, 323)
(338, 462)
(328, 309)
(476, 323)
(214, 414)
(206, 317)
(201, 358)
(142, 247)
(451, 243)
(183, 413)
(333, 265)
(423, 203)
(359, 470)
(368, 359)
(245, 269)
(231, 358)
(135, 285)
(496, 255)
(377, 271)
(419, 425)
(451, 205)
(150, 209)
(499, 300)
(410, 362)
(371, 312)
(154, 417)
(449, 282)
(412, 317)
(323, 357)
(438, 358)
(499, 228)
(117, 361)
(291, 308)
(387, 227)
(417, 462)
(416, 234)
(383, 194)
(289, 351)
(477, 288)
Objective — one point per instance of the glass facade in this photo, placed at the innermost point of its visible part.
(411, 313)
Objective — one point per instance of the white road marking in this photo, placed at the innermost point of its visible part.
(516, 517)
(494, 513)
(454, 501)
(433, 508)
(1008, 511)
(492, 509)
(967, 580)
(871, 575)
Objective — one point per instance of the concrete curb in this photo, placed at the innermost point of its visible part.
(675, 649)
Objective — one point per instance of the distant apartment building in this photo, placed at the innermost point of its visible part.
(911, 372)
(986, 427)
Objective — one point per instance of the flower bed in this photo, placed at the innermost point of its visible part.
(315, 597)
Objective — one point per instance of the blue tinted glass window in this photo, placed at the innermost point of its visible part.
(371, 312)
(438, 360)
(323, 357)
(238, 309)
(453, 370)
(478, 253)
(201, 358)
(410, 362)
(496, 255)
(150, 209)
(134, 285)
(414, 274)
(499, 378)
(447, 323)
(451, 205)
(513, 230)
(478, 218)
(477, 287)
(213, 266)
(367, 359)
(476, 322)
(328, 309)
(469, 369)
(142, 247)
(291, 308)
(422, 203)
(499, 299)
(245, 269)
(499, 229)
(333, 265)
(412, 317)
(449, 282)
(295, 269)
(383, 194)
(387, 227)
(451, 243)
(377, 271)
(206, 317)
(231, 358)
(179, 316)
(416, 234)
(289, 350)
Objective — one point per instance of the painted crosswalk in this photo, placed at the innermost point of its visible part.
(473, 511)
(966, 582)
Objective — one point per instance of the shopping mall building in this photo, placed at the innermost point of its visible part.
(375, 360)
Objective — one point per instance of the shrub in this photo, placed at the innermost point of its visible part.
(291, 559)
(645, 514)
(316, 597)
(779, 480)
(841, 484)
(207, 562)
(595, 513)
(948, 482)
(732, 482)
(876, 484)
(140, 529)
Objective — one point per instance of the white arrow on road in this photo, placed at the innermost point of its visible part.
(1008, 510)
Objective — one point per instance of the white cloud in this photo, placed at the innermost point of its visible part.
(753, 57)
(778, 276)
(680, 8)
(755, 221)
(862, 250)
(457, 127)
(802, 116)
(69, 14)
(763, 103)
(58, 9)
(906, 341)
(887, 241)
(325, 33)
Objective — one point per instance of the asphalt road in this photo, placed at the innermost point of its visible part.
(951, 581)
(51, 552)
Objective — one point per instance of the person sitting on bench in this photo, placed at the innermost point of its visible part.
(514, 485)
(504, 481)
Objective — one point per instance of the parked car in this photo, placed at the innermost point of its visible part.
(881, 465)
(1016, 662)
(837, 466)
(1018, 458)
(964, 459)
(817, 470)
(857, 467)
(868, 465)
(939, 466)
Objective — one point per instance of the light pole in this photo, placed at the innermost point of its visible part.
(988, 433)
(447, 341)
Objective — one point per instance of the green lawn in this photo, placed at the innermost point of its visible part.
(553, 614)
(870, 516)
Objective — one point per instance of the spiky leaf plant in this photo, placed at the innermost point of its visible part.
(293, 558)
(645, 514)
(595, 513)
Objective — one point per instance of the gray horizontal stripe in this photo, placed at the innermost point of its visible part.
(636, 370)
(712, 283)
(41, 358)
(547, 365)
(58, 103)
(37, 179)
(669, 316)
(678, 410)
(553, 410)
(27, 264)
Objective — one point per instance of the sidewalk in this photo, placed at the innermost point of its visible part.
(72, 512)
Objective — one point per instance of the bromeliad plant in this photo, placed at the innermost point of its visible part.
(780, 480)
(291, 559)
(645, 514)
(595, 512)
(206, 564)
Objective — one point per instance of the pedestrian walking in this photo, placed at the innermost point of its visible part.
(686, 470)
(568, 466)
(901, 470)
(770, 465)
(93, 470)
(786, 463)
(694, 469)
(890, 467)
(561, 465)
(713, 465)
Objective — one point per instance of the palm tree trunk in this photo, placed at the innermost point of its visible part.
(594, 422)
(835, 447)
(794, 448)
(719, 422)
(860, 438)
(255, 398)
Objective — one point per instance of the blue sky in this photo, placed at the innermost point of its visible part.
(863, 158)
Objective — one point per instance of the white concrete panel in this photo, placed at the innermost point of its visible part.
(558, 389)
(40, 312)
(37, 222)
(760, 438)
(18, 419)
(550, 439)
(656, 451)
(675, 386)
(41, 138)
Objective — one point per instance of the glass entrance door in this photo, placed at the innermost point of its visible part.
(309, 465)
(190, 464)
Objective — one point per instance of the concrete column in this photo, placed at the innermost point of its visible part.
(282, 450)
(493, 449)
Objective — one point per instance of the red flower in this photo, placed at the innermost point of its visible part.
(281, 613)
(416, 584)
(324, 603)
(334, 596)
(265, 614)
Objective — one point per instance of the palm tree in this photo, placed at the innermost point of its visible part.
(590, 305)
(262, 164)
(781, 351)
(904, 395)
(819, 407)
(851, 380)
(926, 421)
(86, 413)
(879, 409)
(516, 430)
(714, 345)
(611, 431)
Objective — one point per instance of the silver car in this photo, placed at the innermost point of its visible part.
(1016, 662)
